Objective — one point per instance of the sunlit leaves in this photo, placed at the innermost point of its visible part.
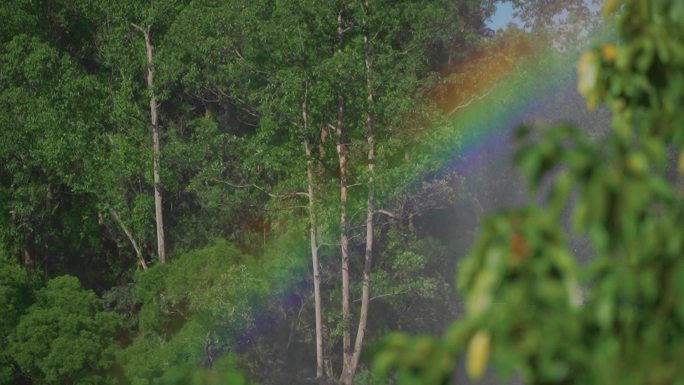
(587, 70)
(478, 354)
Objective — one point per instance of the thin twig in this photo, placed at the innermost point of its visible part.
(336, 244)
(252, 185)
(469, 102)
(139, 28)
(383, 295)
(388, 213)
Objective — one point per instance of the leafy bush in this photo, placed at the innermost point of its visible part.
(64, 337)
(191, 312)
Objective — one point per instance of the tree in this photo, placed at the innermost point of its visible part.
(395, 45)
(156, 153)
(183, 322)
(370, 200)
(531, 308)
(341, 146)
(143, 20)
(293, 74)
(200, 99)
(65, 336)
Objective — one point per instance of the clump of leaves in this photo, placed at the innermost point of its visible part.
(194, 310)
(190, 311)
(65, 336)
(530, 307)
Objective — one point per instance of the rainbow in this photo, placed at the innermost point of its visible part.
(483, 117)
(492, 93)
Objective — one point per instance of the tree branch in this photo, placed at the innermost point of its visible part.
(336, 244)
(130, 237)
(144, 31)
(469, 102)
(252, 185)
(388, 213)
(383, 296)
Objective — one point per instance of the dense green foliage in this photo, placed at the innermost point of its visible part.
(531, 308)
(239, 87)
(185, 319)
(64, 336)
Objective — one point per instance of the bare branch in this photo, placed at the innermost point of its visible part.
(139, 28)
(388, 213)
(239, 55)
(288, 208)
(336, 244)
(252, 185)
(469, 102)
(383, 295)
(138, 253)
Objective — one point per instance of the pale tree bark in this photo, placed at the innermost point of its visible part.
(313, 240)
(370, 203)
(128, 233)
(344, 226)
(154, 120)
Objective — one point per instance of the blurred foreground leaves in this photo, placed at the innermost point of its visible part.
(531, 308)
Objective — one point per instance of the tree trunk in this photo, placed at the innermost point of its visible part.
(313, 242)
(344, 239)
(161, 249)
(370, 203)
(138, 253)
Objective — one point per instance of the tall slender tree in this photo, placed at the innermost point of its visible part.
(370, 200)
(313, 239)
(156, 147)
(341, 147)
(293, 73)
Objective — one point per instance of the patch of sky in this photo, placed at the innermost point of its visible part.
(502, 16)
